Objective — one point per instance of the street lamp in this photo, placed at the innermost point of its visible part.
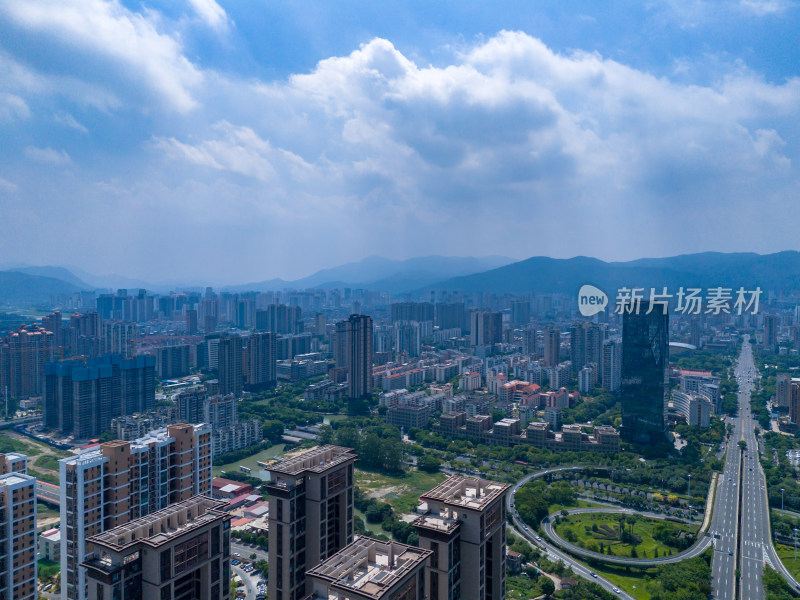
(795, 544)
(689, 489)
(782, 490)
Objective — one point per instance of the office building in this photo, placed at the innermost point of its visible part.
(464, 528)
(17, 528)
(644, 384)
(370, 569)
(172, 361)
(229, 365)
(354, 348)
(310, 516)
(181, 552)
(23, 355)
(108, 486)
(83, 395)
(552, 346)
(260, 361)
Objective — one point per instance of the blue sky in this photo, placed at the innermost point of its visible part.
(237, 141)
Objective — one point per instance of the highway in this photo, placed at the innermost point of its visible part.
(741, 515)
(552, 552)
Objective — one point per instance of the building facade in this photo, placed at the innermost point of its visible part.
(310, 516)
(117, 482)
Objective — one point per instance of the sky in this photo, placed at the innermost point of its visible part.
(231, 142)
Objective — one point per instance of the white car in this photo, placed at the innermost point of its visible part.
(616, 590)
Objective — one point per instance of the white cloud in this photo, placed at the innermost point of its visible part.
(8, 186)
(763, 8)
(47, 155)
(12, 108)
(211, 13)
(66, 119)
(120, 44)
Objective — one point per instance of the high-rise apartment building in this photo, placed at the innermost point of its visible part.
(85, 334)
(279, 318)
(783, 389)
(611, 372)
(172, 361)
(17, 529)
(108, 486)
(119, 337)
(260, 361)
(586, 343)
(644, 377)
(520, 312)
(485, 328)
(83, 395)
(310, 516)
(450, 315)
(464, 528)
(229, 365)
(412, 311)
(771, 325)
(23, 355)
(191, 321)
(181, 552)
(407, 338)
(353, 349)
(552, 346)
(370, 569)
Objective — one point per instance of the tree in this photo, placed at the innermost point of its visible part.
(547, 586)
(742, 445)
(429, 463)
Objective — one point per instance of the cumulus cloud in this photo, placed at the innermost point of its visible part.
(67, 120)
(763, 8)
(113, 42)
(47, 155)
(495, 150)
(8, 186)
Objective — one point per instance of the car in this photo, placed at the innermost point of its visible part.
(525, 527)
(616, 590)
(593, 574)
(730, 552)
(236, 554)
(538, 538)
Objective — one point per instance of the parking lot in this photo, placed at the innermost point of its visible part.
(254, 584)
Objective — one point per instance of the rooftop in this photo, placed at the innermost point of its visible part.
(163, 525)
(316, 460)
(368, 567)
(468, 492)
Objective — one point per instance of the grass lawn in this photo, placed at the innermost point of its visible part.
(373, 528)
(786, 554)
(522, 587)
(47, 462)
(44, 511)
(631, 580)
(401, 491)
(11, 444)
(591, 530)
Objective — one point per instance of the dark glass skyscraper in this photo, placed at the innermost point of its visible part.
(645, 356)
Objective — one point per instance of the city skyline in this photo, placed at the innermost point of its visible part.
(204, 133)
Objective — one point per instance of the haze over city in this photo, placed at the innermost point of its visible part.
(196, 140)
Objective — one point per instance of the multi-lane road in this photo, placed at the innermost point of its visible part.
(741, 513)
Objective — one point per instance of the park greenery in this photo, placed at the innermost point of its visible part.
(383, 513)
(378, 445)
(775, 586)
(623, 535)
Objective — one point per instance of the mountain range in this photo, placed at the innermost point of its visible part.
(24, 284)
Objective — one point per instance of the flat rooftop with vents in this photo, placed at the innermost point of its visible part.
(316, 460)
(368, 568)
(466, 492)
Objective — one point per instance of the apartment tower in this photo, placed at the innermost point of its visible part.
(110, 485)
(310, 516)
(17, 529)
(464, 528)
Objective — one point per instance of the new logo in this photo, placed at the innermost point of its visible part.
(591, 300)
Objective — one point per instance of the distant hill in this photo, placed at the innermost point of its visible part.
(17, 288)
(779, 271)
(54, 273)
(376, 272)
